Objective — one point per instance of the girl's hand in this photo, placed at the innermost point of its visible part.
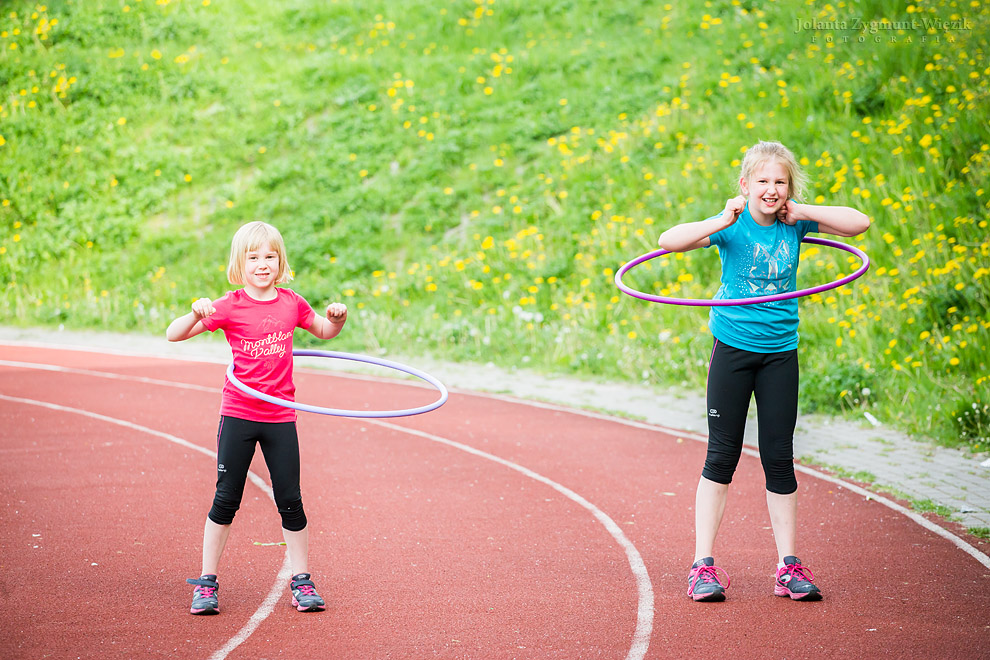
(790, 212)
(337, 313)
(203, 308)
(733, 208)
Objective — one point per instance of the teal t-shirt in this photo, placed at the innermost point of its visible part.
(758, 261)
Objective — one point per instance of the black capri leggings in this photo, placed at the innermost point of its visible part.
(734, 376)
(236, 440)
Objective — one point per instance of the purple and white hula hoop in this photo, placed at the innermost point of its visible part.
(349, 413)
(700, 302)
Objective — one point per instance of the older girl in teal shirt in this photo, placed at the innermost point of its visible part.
(758, 235)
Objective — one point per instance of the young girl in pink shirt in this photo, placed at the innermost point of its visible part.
(258, 321)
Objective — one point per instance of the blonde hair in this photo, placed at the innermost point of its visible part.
(764, 151)
(250, 237)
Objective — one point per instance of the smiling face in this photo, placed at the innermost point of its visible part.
(261, 268)
(766, 190)
(257, 258)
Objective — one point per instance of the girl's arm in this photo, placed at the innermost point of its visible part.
(191, 324)
(329, 327)
(692, 235)
(836, 220)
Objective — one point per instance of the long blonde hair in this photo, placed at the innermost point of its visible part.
(763, 151)
(251, 237)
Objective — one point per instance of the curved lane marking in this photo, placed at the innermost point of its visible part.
(960, 543)
(268, 604)
(644, 610)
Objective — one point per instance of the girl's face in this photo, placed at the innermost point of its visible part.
(260, 269)
(766, 189)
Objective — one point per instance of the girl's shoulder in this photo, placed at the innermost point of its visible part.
(290, 298)
(289, 294)
(229, 296)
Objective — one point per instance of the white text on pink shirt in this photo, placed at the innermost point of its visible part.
(273, 344)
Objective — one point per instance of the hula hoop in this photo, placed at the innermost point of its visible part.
(348, 413)
(701, 302)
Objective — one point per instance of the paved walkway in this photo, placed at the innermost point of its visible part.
(880, 455)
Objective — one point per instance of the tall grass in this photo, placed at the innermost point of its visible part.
(468, 174)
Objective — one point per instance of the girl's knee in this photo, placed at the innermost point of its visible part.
(293, 516)
(781, 479)
(223, 510)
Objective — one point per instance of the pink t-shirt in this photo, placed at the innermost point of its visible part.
(260, 336)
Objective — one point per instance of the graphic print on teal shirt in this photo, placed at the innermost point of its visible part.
(771, 269)
(758, 261)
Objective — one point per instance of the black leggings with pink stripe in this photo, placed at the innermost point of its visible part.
(236, 441)
(734, 376)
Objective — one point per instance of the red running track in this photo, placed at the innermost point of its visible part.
(490, 528)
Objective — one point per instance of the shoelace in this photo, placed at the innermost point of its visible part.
(306, 590)
(709, 574)
(206, 592)
(796, 571)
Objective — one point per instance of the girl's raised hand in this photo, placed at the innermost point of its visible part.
(733, 208)
(786, 212)
(789, 213)
(203, 308)
(337, 313)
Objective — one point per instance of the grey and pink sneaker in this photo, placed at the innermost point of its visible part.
(304, 596)
(703, 582)
(205, 595)
(795, 581)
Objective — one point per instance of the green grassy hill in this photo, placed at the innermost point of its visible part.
(468, 174)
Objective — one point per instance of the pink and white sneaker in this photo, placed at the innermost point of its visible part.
(795, 581)
(304, 596)
(205, 595)
(703, 582)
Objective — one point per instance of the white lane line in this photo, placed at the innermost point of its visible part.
(644, 613)
(644, 610)
(912, 515)
(259, 616)
(102, 374)
(268, 604)
(960, 543)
